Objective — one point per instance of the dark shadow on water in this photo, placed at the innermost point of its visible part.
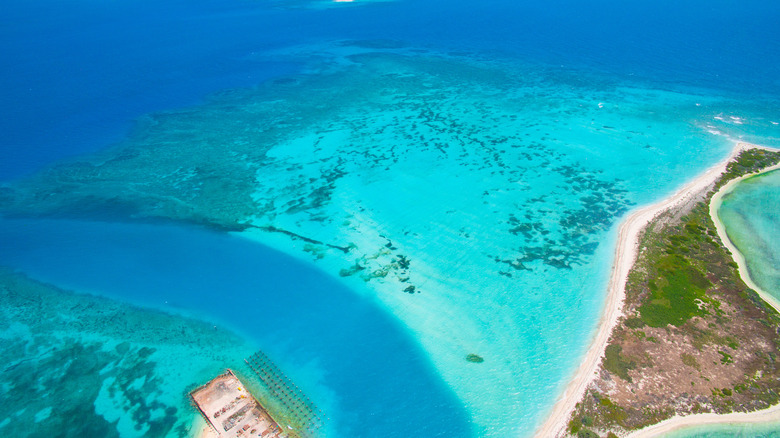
(383, 381)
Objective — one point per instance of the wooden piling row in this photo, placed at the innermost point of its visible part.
(306, 413)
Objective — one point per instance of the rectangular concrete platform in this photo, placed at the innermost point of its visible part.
(231, 411)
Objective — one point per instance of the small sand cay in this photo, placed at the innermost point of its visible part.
(626, 253)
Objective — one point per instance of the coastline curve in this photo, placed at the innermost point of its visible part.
(739, 258)
(625, 256)
(771, 414)
(678, 423)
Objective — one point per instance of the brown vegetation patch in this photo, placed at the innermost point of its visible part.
(694, 337)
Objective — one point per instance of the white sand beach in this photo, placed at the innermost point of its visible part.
(625, 256)
(676, 423)
(717, 200)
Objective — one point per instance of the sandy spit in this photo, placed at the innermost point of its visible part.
(626, 252)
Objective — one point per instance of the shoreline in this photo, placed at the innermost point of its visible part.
(200, 429)
(625, 255)
(770, 414)
(717, 200)
(678, 423)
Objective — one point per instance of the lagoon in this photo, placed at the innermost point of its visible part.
(751, 216)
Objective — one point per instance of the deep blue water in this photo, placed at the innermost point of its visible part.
(279, 302)
(75, 74)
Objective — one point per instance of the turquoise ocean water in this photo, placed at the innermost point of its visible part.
(751, 214)
(475, 161)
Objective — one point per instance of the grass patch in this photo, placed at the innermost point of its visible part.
(681, 281)
(690, 360)
(749, 161)
(634, 323)
(575, 425)
(679, 293)
(615, 363)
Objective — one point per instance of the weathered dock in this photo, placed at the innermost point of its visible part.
(231, 411)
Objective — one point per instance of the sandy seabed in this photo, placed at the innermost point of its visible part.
(626, 252)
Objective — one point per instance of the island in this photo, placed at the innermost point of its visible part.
(684, 339)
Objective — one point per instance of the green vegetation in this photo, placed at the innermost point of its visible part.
(634, 323)
(475, 358)
(575, 425)
(685, 287)
(604, 413)
(678, 260)
(700, 338)
(690, 360)
(615, 363)
(725, 357)
(678, 288)
(579, 427)
(611, 412)
(722, 393)
(749, 161)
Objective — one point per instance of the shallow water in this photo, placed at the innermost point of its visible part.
(751, 216)
(456, 172)
(494, 202)
(337, 346)
(120, 370)
(770, 430)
